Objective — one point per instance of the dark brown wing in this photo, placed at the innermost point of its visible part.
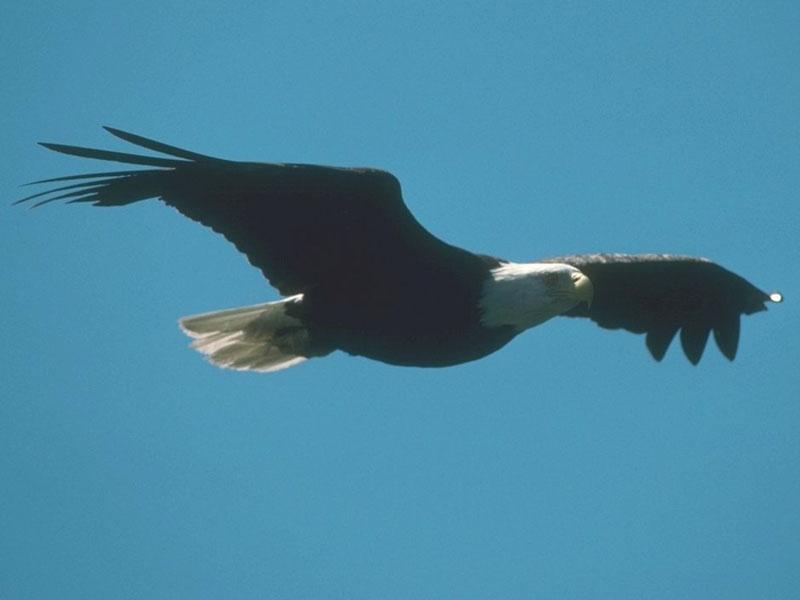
(302, 225)
(659, 294)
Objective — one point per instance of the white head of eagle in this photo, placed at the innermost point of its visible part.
(527, 294)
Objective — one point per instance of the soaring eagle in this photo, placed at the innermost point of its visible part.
(360, 274)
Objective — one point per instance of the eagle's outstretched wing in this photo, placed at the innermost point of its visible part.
(302, 225)
(659, 294)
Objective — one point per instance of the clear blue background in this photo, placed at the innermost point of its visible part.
(567, 465)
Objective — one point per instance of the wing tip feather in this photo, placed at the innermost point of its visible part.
(693, 340)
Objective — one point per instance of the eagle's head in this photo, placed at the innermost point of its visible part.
(527, 294)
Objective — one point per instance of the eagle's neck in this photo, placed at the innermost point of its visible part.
(523, 295)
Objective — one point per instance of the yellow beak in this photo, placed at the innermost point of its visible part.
(584, 290)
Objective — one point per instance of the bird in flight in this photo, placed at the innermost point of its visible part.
(358, 272)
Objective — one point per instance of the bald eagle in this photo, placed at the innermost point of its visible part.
(360, 274)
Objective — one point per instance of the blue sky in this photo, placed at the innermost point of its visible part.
(567, 465)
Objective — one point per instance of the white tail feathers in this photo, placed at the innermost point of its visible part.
(251, 338)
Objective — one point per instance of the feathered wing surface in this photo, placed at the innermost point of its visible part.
(302, 225)
(661, 294)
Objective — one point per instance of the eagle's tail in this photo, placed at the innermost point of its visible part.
(263, 337)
